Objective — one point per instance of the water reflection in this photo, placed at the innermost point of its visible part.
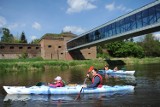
(64, 98)
(23, 97)
(114, 79)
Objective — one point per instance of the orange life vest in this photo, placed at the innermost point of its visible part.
(100, 84)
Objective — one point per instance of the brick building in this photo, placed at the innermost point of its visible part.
(52, 46)
(13, 51)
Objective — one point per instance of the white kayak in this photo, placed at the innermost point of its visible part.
(119, 72)
(65, 90)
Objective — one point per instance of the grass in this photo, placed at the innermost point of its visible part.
(40, 64)
(131, 61)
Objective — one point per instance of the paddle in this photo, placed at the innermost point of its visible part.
(90, 69)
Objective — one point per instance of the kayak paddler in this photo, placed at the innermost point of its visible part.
(58, 82)
(96, 79)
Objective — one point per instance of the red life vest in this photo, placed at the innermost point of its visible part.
(100, 84)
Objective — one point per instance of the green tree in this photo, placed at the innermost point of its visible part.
(151, 46)
(23, 38)
(6, 36)
(114, 47)
(35, 41)
(130, 49)
(122, 49)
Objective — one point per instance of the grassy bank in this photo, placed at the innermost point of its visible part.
(131, 61)
(40, 64)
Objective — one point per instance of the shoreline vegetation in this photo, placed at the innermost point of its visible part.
(40, 64)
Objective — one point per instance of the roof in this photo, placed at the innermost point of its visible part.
(19, 44)
(61, 35)
(69, 34)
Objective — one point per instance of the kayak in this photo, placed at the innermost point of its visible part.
(119, 72)
(65, 90)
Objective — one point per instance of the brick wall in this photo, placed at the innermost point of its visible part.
(13, 51)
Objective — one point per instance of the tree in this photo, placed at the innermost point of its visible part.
(6, 36)
(23, 38)
(151, 46)
(130, 49)
(35, 41)
(113, 47)
(122, 49)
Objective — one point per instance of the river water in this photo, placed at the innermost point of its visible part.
(146, 93)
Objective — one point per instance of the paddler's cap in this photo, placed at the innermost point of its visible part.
(58, 78)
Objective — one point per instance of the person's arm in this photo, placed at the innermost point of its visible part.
(55, 85)
(95, 84)
(58, 84)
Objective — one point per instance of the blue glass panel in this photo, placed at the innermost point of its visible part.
(158, 12)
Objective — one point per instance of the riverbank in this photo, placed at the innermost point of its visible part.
(131, 61)
(40, 64)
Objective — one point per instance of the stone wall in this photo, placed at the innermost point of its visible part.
(14, 51)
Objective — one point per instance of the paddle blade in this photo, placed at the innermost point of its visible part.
(90, 69)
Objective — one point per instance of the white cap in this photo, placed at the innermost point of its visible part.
(58, 78)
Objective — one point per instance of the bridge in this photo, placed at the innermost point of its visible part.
(141, 21)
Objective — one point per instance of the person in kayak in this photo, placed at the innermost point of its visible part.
(106, 68)
(115, 69)
(96, 79)
(59, 82)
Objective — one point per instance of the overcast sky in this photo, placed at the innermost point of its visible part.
(38, 17)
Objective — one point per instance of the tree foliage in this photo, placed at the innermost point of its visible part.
(125, 49)
(151, 45)
(23, 38)
(130, 49)
(6, 36)
(35, 41)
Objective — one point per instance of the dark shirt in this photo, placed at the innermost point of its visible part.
(96, 82)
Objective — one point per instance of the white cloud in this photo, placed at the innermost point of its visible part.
(33, 37)
(74, 29)
(76, 6)
(112, 7)
(36, 26)
(2, 21)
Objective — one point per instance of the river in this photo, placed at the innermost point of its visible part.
(146, 93)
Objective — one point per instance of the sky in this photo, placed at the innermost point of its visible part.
(38, 17)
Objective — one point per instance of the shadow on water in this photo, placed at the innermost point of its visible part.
(115, 62)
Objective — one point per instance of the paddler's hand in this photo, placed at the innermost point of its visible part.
(84, 85)
(87, 75)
